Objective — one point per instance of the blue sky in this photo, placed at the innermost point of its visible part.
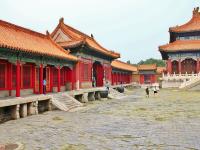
(134, 28)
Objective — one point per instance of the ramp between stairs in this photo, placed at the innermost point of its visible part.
(65, 102)
(190, 84)
(114, 94)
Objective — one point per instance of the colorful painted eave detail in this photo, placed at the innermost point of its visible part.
(21, 39)
(192, 25)
(181, 45)
(77, 37)
(123, 66)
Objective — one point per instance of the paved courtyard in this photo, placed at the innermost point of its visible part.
(168, 121)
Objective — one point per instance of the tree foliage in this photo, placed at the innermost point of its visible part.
(158, 62)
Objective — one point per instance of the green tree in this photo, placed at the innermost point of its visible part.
(158, 62)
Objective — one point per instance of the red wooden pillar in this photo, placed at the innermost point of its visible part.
(51, 79)
(41, 79)
(77, 75)
(120, 78)
(9, 78)
(112, 76)
(33, 78)
(72, 78)
(169, 66)
(197, 65)
(117, 78)
(18, 79)
(58, 79)
(179, 66)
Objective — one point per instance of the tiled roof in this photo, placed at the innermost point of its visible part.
(21, 39)
(123, 66)
(192, 25)
(71, 44)
(76, 35)
(147, 67)
(181, 45)
(160, 70)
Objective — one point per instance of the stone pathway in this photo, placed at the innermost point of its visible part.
(170, 120)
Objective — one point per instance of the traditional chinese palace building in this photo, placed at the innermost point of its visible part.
(122, 72)
(148, 74)
(94, 61)
(67, 59)
(27, 57)
(183, 51)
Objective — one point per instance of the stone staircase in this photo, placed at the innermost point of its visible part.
(192, 83)
(114, 94)
(65, 102)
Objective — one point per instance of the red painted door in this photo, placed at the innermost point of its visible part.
(141, 79)
(100, 74)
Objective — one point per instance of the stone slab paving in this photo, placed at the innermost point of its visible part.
(169, 121)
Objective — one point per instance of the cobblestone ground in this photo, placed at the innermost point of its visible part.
(168, 121)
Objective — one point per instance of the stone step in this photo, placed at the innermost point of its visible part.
(65, 102)
(115, 94)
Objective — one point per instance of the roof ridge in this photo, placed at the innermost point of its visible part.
(59, 47)
(195, 19)
(124, 62)
(61, 21)
(75, 34)
(23, 29)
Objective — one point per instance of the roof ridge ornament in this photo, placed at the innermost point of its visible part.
(61, 20)
(196, 12)
(47, 33)
(92, 36)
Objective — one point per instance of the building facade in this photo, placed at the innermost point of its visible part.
(94, 61)
(122, 72)
(148, 74)
(182, 54)
(66, 59)
(27, 58)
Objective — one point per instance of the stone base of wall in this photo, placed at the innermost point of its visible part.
(4, 94)
(23, 92)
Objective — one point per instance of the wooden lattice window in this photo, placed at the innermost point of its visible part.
(2, 76)
(55, 77)
(26, 76)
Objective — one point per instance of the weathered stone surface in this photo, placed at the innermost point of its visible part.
(85, 98)
(169, 120)
(23, 110)
(15, 112)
